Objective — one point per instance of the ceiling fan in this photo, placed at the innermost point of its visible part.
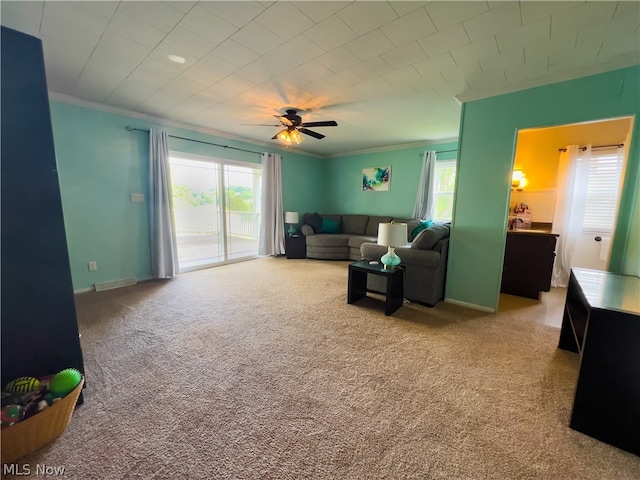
(294, 126)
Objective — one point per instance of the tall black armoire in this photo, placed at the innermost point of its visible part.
(37, 313)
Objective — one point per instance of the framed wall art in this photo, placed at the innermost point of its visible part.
(376, 179)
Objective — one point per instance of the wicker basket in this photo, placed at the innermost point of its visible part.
(35, 432)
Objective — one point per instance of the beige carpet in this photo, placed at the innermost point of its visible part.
(261, 370)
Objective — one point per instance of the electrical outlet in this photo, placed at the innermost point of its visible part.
(137, 198)
(93, 266)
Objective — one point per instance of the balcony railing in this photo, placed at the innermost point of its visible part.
(243, 224)
(205, 220)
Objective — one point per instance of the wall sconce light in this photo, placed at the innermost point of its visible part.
(518, 180)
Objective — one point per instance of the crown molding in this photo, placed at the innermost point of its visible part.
(402, 146)
(170, 123)
(210, 131)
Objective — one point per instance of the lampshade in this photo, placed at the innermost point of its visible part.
(291, 217)
(392, 234)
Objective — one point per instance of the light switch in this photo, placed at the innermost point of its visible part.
(137, 198)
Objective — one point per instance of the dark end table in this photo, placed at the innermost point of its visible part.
(358, 272)
(295, 246)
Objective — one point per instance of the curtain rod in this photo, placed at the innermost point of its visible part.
(129, 128)
(440, 151)
(619, 145)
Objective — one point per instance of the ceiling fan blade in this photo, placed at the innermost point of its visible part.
(328, 123)
(311, 133)
(284, 120)
(262, 124)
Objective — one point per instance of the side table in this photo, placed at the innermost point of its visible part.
(357, 288)
(295, 246)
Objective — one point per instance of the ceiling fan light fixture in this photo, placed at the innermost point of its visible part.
(284, 137)
(295, 136)
(293, 128)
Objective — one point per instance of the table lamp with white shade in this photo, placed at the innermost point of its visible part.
(292, 219)
(391, 235)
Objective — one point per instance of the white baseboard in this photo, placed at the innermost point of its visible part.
(469, 305)
(93, 288)
(84, 290)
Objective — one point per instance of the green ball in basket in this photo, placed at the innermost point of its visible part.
(65, 381)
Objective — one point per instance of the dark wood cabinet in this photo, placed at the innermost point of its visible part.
(39, 323)
(601, 323)
(296, 246)
(528, 263)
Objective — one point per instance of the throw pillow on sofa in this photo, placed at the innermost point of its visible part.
(329, 226)
(428, 238)
(315, 221)
(422, 226)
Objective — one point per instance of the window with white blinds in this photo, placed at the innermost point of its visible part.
(603, 188)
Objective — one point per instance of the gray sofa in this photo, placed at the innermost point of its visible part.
(424, 258)
(345, 242)
(424, 262)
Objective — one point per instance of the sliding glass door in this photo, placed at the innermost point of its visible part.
(242, 210)
(216, 207)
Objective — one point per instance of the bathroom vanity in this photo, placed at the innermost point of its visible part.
(528, 262)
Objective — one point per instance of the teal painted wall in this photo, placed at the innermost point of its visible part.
(487, 145)
(100, 164)
(304, 183)
(631, 264)
(346, 181)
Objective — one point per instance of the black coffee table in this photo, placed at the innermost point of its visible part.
(358, 284)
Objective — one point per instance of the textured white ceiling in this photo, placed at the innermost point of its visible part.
(387, 71)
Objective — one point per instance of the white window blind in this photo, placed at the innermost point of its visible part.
(603, 187)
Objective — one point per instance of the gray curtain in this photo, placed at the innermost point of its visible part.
(272, 224)
(424, 207)
(164, 253)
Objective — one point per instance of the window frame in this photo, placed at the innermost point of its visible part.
(438, 166)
